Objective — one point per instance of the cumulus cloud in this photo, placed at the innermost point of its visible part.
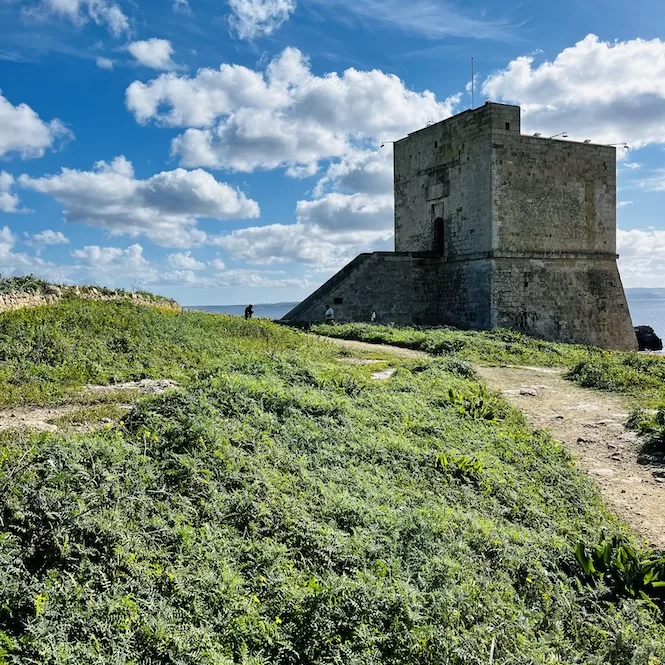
(609, 92)
(154, 53)
(79, 12)
(352, 212)
(164, 207)
(369, 172)
(8, 201)
(46, 238)
(184, 261)
(18, 263)
(22, 131)
(104, 63)
(642, 257)
(328, 232)
(242, 119)
(106, 260)
(253, 18)
(111, 265)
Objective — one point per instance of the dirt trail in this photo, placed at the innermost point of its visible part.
(40, 418)
(590, 424)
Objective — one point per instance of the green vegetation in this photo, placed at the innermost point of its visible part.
(96, 414)
(282, 507)
(48, 353)
(496, 347)
(640, 376)
(627, 373)
(23, 284)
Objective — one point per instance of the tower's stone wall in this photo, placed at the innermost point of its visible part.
(401, 287)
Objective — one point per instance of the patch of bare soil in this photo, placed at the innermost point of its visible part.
(354, 345)
(41, 418)
(144, 387)
(591, 425)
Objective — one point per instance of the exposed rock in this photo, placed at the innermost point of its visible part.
(647, 339)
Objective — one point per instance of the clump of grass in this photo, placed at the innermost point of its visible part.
(94, 415)
(24, 284)
(650, 423)
(283, 508)
(633, 374)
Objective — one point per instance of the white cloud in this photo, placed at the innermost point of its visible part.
(242, 119)
(111, 265)
(104, 63)
(164, 207)
(369, 172)
(432, 19)
(623, 204)
(609, 92)
(329, 232)
(184, 261)
(182, 6)
(355, 214)
(277, 243)
(22, 131)
(112, 259)
(13, 263)
(79, 12)
(8, 201)
(352, 212)
(154, 53)
(253, 18)
(632, 165)
(642, 257)
(46, 238)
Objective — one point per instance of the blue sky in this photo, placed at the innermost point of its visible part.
(227, 152)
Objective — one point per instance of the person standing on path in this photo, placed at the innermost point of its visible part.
(330, 314)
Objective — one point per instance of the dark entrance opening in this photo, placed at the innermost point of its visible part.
(439, 242)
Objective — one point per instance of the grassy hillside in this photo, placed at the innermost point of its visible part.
(282, 507)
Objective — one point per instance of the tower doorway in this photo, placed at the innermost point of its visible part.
(439, 240)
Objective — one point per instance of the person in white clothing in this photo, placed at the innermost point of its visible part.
(330, 314)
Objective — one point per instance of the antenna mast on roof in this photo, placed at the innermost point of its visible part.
(473, 87)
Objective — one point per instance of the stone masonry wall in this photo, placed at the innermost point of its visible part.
(13, 301)
(551, 195)
(443, 171)
(567, 300)
(399, 287)
(466, 294)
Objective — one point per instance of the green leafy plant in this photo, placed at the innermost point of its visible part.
(615, 563)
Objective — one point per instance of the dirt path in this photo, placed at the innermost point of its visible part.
(41, 418)
(386, 348)
(590, 424)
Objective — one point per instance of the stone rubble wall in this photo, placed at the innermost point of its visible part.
(401, 287)
(14, 301)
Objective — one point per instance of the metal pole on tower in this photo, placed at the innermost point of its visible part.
(473, 87)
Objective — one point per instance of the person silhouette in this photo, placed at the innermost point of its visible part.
(248, 312)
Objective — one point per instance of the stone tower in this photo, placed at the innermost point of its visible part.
(494, 229)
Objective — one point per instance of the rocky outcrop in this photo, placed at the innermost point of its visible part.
(647, 339)
(52, 294)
